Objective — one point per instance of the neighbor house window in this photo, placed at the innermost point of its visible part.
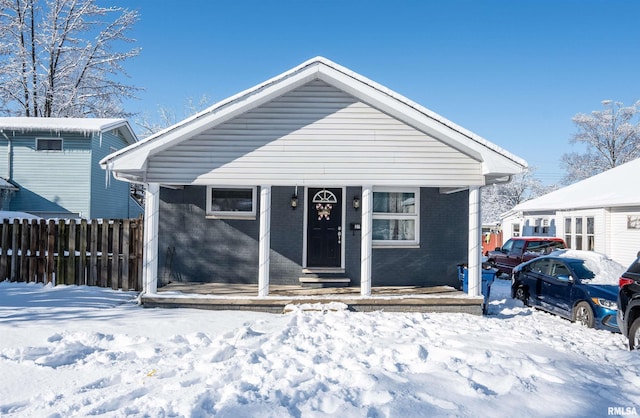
(231, 202)
(590, 241)
(578, 235)
(396, 216)
(48, 144)
(567, 232)
(515, 230)
(582, 237)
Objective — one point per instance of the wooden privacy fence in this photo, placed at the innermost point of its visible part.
(105, 253)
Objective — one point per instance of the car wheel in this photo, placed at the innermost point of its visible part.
(521, 294)
(634, 335)
(583, 314)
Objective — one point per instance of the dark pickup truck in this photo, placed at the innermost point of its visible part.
(521, 249)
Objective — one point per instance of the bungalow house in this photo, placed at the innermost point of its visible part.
(318, 172)
(600, 213)
(52, 169)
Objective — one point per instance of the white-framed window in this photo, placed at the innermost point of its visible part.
(228, 202)
(590, 240)
(48, 144)
(515, 230)
(396, 216)
(567, 232)
(579, 233)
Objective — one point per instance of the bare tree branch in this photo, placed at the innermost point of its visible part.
(65, 57)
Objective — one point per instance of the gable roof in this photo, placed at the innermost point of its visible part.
(496, 162)
(77, 125)
(612, 188)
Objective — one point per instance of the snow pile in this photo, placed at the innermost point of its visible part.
(605, 269)
(80, 351)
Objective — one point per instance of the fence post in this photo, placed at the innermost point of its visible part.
(42, 253)
(71, 264)
(93, 257)
(82, 270)
(126, 236)
(14, 250)
(115, 239)
(104, 259)
(4, 270)
(51, 250)
(60, 276)
(32, 251)
(23, 276)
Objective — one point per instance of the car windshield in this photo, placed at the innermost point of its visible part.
(581, 270)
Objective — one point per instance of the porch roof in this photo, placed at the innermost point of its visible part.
(495, 163)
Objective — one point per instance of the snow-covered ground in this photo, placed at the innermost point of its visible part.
(81, 351)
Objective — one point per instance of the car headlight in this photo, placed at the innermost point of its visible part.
(605, 303)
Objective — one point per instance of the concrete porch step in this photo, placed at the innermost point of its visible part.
(324, 281)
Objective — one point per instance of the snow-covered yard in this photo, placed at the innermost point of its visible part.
(80, 351)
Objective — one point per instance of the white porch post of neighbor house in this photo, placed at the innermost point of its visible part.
(150, 255)
(366, 230)
(264, 245)
(474, 268)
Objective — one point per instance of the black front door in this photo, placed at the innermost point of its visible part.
(324, 227)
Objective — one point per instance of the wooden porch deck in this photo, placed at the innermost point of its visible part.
(218, 296)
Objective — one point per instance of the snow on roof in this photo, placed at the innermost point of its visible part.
(60, 124)
(56, 125)
(4, 184)
(612, 188)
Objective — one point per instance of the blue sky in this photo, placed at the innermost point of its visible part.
(514, 72)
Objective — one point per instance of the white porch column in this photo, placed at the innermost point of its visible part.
(366, 232)
(264, 246)
(150, 254)
(475, 250)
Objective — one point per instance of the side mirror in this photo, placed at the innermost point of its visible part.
(498, 249)
(565, 278)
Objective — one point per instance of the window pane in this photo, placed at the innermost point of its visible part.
(578, 225)
(394, 202)
(567, 225)
(590, 225)
(394, 229)
(49, 144)
(232, 200)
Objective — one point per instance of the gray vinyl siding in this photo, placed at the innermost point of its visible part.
(315, 134)
(51, 181)
(108, 200)
(193, 248)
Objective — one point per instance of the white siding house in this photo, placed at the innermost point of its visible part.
(344, 149)
(601, 213)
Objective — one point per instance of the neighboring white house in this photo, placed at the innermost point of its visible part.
(601, 213)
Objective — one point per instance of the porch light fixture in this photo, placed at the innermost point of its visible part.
(294, 201)
(356, 202)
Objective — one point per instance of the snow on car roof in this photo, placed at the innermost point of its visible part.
(605, 269)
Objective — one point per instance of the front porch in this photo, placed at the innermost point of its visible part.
(218, 296)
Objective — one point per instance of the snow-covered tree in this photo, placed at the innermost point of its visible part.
(64, 58)
(166, 116)
(499, 198)
(611, 137)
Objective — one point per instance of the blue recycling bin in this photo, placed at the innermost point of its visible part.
(488, 276)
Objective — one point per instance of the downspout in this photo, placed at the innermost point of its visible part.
(9, 154)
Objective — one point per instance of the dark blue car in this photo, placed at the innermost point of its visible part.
(563, 286)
